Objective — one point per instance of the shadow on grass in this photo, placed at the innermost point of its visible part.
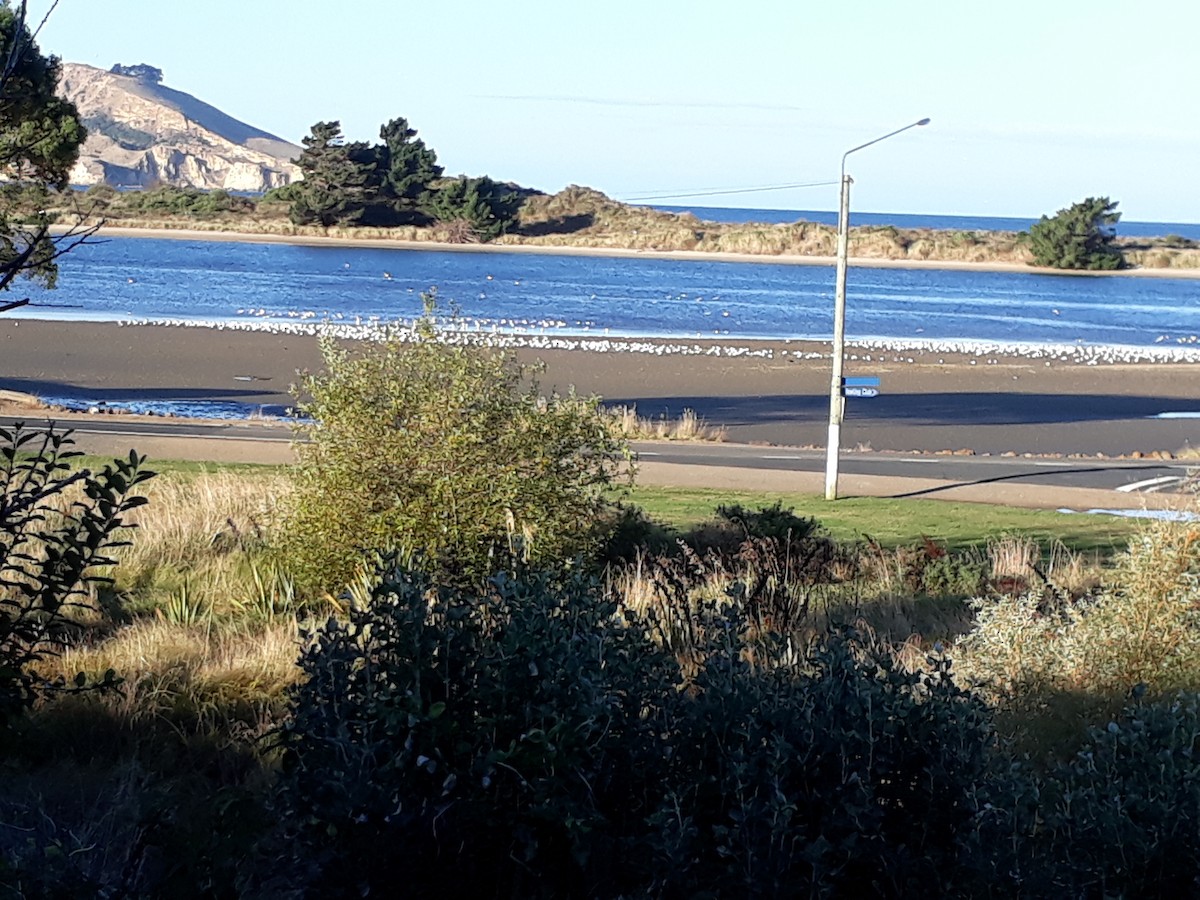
(559, 225)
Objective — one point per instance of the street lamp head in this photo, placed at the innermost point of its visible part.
(924, 122)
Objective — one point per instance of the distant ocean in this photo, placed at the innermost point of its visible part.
(904, 220)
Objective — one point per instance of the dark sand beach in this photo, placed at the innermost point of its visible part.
(935, 402)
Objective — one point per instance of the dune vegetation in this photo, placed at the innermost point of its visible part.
(583, 218)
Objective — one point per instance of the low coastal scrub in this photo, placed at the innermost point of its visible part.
(417, 444)
(738, 705)
(581, 217)
(534, 732)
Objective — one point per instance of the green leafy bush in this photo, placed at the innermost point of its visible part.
(534, 741)
(1116, 820)
(835, 775)
(770, 521)
(56, 528)
(475, 745)
(956, 575)
(445, 449)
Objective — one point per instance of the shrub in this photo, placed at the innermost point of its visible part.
(534, 741)
(1116, 820)
(838, 774)
(1082, 236)
(482, 208)
(56, 528)
(957, 575)
(1143, 627)
(445, 449)
(770, 521)
(475, 745)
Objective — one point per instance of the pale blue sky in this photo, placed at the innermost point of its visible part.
(1035, 103)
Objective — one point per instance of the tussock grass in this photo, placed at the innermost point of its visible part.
(582, 217)
(687, 427)
(1142, 627)
(201, 549)
(199, 677)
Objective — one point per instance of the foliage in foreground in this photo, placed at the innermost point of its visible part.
(1082, 236)
(40, 137)
(541, 737)
(56, 528)
(447, 450)
(536, 741)
(1141, 628)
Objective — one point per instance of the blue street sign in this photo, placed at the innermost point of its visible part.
(859, 392)
(868, 381)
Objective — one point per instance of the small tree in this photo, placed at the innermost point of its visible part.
(446, 450)
(340, 179)
(40, 137)
(1082, 236)
(475, 209)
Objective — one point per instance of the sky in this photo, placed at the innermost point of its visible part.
(1035, 104)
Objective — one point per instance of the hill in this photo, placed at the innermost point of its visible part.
(142, 133)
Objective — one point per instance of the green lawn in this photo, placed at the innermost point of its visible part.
(891, 522)
(894, 522)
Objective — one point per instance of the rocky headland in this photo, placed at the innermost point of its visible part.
(142, 133)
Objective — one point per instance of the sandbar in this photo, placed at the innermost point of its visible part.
(929, 401)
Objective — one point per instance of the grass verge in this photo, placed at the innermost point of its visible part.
(894, 522)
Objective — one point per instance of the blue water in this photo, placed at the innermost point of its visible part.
(263, 285)
(904, 220)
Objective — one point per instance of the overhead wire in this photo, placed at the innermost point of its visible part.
(723, 191)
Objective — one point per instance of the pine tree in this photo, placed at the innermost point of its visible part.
(340, 179)
(478, 209)
(407, 168)
(1082, 236)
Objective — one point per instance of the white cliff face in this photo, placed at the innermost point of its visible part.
(141, 133)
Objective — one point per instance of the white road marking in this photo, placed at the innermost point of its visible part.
(1149, 485)
(791, 458)
(1053, 463)
(647, 453)
(928, 462)
(1176, 415)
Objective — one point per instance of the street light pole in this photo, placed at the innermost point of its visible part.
(837, 400)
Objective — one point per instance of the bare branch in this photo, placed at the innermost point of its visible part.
(45, 18)
(15, 51)
(15, 304)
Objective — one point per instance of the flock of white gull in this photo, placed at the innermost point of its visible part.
(526, 333)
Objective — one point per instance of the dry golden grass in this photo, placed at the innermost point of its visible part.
(200, 548)
(688, 427)
(1164, 258)
(1143, 627)
(203, 673)
(1020, 560)
(585, 218)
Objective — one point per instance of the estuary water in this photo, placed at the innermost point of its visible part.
(283, 287)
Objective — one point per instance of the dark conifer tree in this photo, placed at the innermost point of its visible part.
(340, 179)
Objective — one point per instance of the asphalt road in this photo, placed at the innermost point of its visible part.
(270, 442)
(1126, 476)
(947, 419)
